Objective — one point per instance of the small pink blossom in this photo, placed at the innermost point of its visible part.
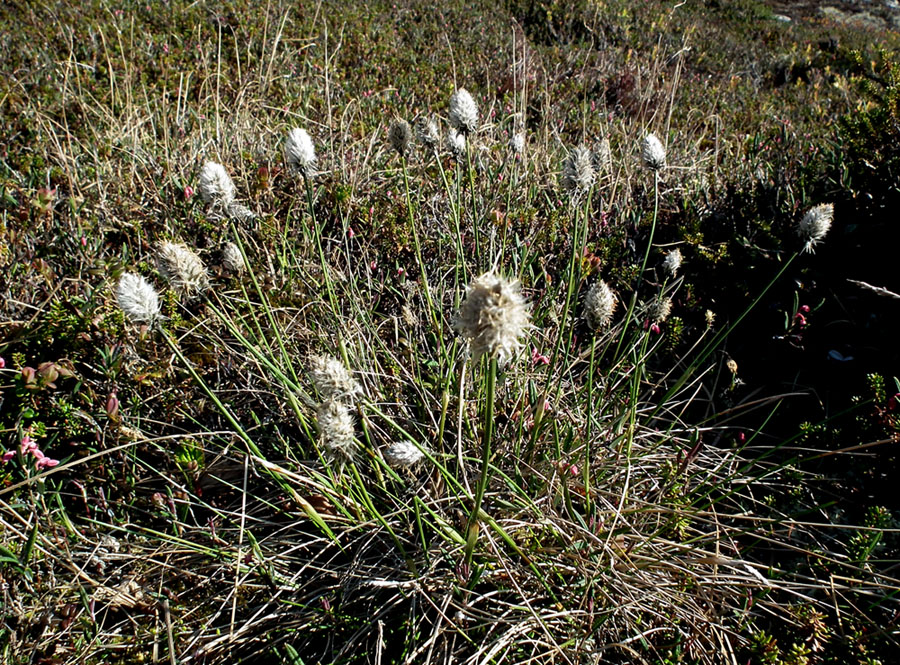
(2, 363)
(373, 265)
(655, 328)
(188, 192)
(28, 445)
(84, 241)
(350, 232)
(400, 272)
(8, 455)
(47, 463)
(539, 359)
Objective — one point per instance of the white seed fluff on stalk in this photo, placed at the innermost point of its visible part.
(517, 143)
(427, 132)
(456, 143)
(493, 317)
(403, 454)
(336, 430)
(659, 310)
(463, 112)
(239, 212)
(400, 136)
(299, 152)
(672, 262)
(599, 305)
(215, 185)
(815, 225)
(601, 156)
(332, 380)
(232, 259)
(653, 153)
(183, 269)
(578, 171)
(138, 299)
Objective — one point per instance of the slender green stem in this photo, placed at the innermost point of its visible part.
(490, 381)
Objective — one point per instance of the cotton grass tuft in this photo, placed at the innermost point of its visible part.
(300, 153)
(815, 225)
(183, 269)
(138, 299)
(216, 186)
(493, 318)
(463, 112)
(653, 153)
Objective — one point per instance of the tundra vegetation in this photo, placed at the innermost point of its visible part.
(391, 332)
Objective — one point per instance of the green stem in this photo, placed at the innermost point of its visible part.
(490, 381)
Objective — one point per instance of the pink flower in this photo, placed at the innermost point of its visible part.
(655, 328)
(538, 359)
(8, 455)
(2, 363)
(29, 446)
(188, 192)
(350, 232)
(47, 463)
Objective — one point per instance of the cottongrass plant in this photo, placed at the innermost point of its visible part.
(137, 299)
(300, 153)
(233, 259)
(336, 436)
(517, 143)
(672, 262)
(653, 153)
(183, 269)
(463, 112)
(216, 186)
(456, 143)
(400, 136)
(493, 318)
(427, 132)
(578, 171)
(332, 380)
(403, 455)
(599, 305)
(814, 225)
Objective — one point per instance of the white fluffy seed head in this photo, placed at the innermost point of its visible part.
(403, 454)
(653, 153)
(232, 259)
(427, 132)
(672, 262)
(493, 317)
(299, 152)
(332, 380)
(599, 305)
(138, 299)
(216, 186)
(336, 431)
(815, 225)
(601, 156)
(578, 171)
(659, 309)
(517, 143)
(400, 136)
(463, 112)
(183, 269)
(456, 143)
(239, 213)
